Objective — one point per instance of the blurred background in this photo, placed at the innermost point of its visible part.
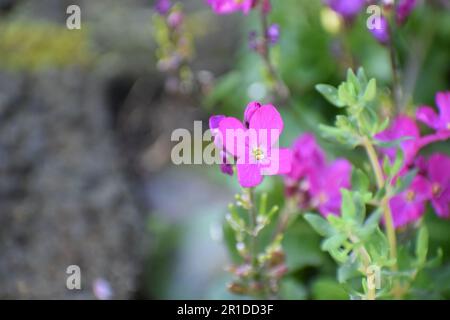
(86, 118)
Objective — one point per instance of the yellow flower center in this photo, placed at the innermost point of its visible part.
(258, 153)
(323, 197)
(410, 195)
(448, 126)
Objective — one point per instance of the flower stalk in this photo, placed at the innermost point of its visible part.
(280, 87)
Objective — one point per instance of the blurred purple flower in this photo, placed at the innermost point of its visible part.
(404, 9)
(409, 205)
(382, 34)
(439, 176)
(273, 34)
(162, 6)
(307, 157)
(440, 122)
(346, 8)
(230, 6)
(175, 19)
(326, 185)
(402, 127)
(102, 289)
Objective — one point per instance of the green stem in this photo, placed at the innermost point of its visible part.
(396, 86)
(367, 261)
(389, 222)
(280, 87)
(253, 223)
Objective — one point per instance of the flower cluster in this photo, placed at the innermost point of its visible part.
(175, 45)
(251, 144)
(432, 181)
(315, 183)
(231, 6)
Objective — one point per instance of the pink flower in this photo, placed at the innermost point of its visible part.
(404, 9)
(440, 122)
(409, 205)
(316, 184)
(382, 34)
(402, 127)
(307, 158)
(326, 185)
(230, 6)
(346, 8)
(438, 173)
(254, 146)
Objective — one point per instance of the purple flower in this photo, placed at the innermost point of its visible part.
(438, 174)
(381, 32)
(404, 9)
(254, 147)
(326, 185)
(307, 157)
(175, 19)
(162, 6)
(439, 122)
(346, 8)
(230, 6)
(273, 34)
(225, 166)
(402, 127)
(214, 122)
(409, 205)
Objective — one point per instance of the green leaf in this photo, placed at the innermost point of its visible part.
(331, 94)
(319, 224)
(371, 91)
(333, 242)
(328, 289)
(422, 246)
(347, 207)
(405, 181)
(371, 224)
(347, 271)
(353, 81)
(362, 76)
(391, 144)
(360, 181)
(399, 159)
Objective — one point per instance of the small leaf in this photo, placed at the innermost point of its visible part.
(347, 207)
(354, 81)
(319, 224)
(333, 242)
(330, 93)
(405, 181)
(371, 91)
(360, 181)
(362, 76)
(347, 271)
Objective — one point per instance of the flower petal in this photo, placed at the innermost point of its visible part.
(428, 116)
(232, 133)
(443, 103)
(249, 175)
(268, 124)
(280, 162)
